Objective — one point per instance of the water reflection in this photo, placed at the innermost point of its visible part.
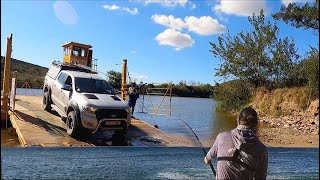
(222, 122)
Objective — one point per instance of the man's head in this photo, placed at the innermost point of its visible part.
(248, 117)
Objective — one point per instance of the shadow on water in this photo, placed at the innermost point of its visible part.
(107, 139)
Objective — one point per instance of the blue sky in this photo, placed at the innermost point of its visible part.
(163, 40)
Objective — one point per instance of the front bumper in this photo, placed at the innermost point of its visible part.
(106, 120)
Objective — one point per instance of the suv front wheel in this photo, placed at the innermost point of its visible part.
(74, 126)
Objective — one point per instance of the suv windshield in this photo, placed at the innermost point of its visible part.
(88, 85)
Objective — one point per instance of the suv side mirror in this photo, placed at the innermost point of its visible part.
(66, 87)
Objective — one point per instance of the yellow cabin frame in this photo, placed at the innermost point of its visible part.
(77, 53)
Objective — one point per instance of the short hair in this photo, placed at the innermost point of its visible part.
(248, 116)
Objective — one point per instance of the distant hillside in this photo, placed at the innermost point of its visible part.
(27, 72)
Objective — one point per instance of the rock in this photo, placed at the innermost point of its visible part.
(314, 107)
(286, 125)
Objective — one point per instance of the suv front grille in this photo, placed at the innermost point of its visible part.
(111, 113)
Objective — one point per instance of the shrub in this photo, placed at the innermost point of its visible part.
(232, 96)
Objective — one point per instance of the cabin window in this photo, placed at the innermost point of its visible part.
(66, 51)
(76, 51)
(83, 53)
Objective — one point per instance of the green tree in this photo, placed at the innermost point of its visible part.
(306, 16)
(310, 71)
(284, 65)
(232, 96)
(114, 79)
(253, 55)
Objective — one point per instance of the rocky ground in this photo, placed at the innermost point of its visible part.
(290, 131)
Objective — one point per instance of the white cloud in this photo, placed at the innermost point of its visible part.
(133, 11)
(286, 2)
(113, 7)
(241, 7)
(137, 77)
(133, 51)
(169, 21)
(166, 3)
(204, 25)
(176, 39)
(65, 12)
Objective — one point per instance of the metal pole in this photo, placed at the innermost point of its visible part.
(144, 89)
(124, 78)
(170, 99)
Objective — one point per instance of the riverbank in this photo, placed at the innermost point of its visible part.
(291, 116)
(290, 131)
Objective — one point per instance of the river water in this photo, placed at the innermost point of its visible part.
(140, 163)
(148, 162)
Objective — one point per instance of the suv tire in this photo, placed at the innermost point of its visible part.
(46, 102)
(74, 126)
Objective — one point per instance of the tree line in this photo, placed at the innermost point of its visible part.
(181, 89)
(261, 58)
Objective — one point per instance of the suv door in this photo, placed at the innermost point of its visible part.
(65, 95)
(56, 89)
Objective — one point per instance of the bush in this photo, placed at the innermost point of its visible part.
(232, 96)
(310, 71)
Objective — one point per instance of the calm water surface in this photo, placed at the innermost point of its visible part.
(140, 163)
(197, 112)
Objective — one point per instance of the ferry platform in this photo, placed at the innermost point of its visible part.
(37, 127)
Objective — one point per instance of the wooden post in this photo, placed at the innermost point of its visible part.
(124, 78)
(6, 78)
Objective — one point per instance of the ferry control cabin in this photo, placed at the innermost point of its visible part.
(77, 54)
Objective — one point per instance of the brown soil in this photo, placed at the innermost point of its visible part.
(292, 119)
(286, 137)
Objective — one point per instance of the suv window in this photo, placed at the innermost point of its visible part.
(89, 85)
(69, 81)
(62, 78)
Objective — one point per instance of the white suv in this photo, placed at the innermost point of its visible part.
(88, 101)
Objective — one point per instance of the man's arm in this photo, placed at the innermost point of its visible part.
(212, 152)
(262, 170)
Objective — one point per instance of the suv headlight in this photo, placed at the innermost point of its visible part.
(89, 109)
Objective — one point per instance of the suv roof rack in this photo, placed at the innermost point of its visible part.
(73, 67)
